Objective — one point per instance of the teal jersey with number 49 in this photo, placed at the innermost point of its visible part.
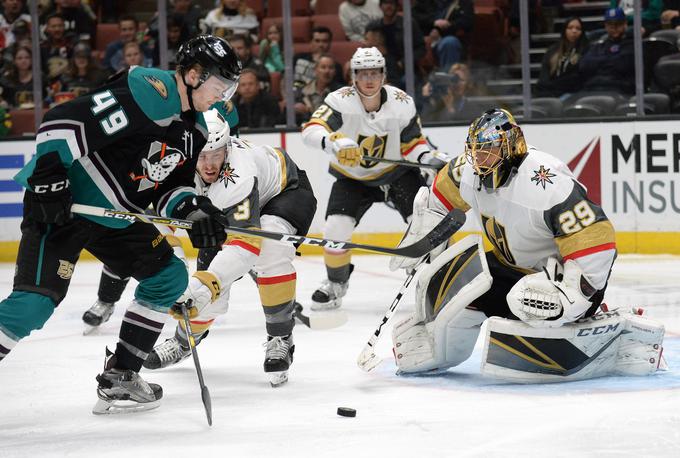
(125, 145)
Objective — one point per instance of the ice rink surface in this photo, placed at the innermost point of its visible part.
(47, 387)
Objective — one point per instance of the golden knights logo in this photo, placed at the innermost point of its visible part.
(158, 85)
(373, 146)
(228, 176)
(401, 96)
(495, 232)
(542, 177)
(346, 91)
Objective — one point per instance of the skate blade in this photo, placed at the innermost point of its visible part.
(328, 319)
(277, 379)
(115, 407)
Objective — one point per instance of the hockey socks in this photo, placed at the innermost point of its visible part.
(138, 333)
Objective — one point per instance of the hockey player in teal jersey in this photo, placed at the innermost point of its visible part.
(132, 143)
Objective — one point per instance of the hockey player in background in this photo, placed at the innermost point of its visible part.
(131, 143)
(112, 285)
(257, 187)
(553, 250)
(369, 118)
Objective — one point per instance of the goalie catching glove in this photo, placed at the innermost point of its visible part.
(204, 288)
(345, 149)
(423, 220)
(558, 295)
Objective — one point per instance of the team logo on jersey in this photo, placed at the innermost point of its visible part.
(542, 177)
(373, 146)
(401, 96)
(160, 161)
(65, 269)
(228, 176)
(346, 91)
(158, 85)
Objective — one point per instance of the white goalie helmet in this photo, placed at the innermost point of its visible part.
(364, 58)
(218, 131)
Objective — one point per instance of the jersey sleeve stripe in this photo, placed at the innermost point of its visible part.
(591, 250)
(245, 245)
(284, 172)
(445, 189)
(317, 122)
(276, 279)
(406, 148)
(591, 237)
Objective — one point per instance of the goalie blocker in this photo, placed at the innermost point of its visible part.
(454, 289)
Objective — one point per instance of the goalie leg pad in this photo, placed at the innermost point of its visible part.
(612, 343)
(442, 332)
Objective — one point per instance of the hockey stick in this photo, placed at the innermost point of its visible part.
(402, 163)
(319, 321)
(205, 394)
(367, 359)
(453, 221)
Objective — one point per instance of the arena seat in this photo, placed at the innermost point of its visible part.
(605, 103)
(343, 50)
(332, 21)
(583, 111)
(667, 73)
(551, 105)
(106, 33)
(258, 7)
(275, 87)
(327, 6)
(302, 28)
(297, 7)
(23, 122)
(670, 35)
(659, 102)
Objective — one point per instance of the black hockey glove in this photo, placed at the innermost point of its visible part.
(206, 231)
(50, 201)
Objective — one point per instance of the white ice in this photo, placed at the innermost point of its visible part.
(47, 387)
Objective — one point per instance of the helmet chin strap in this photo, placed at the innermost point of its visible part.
(190, 89)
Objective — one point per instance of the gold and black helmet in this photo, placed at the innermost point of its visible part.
(494, 145)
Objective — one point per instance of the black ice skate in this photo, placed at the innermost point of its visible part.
(124, 391)
(98, 314)
(278, 358)
(329, 296)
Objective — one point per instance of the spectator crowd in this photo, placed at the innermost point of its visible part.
(452, 48)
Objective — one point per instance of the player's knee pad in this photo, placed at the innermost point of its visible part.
(339, 227)
(442, 332)
(162, 289)
(610, 343)
(275, 258)
(23, 312)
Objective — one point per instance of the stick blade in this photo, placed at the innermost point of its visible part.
(367, 361)
(207, 403)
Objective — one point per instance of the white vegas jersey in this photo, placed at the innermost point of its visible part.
(246, 165)
(392, 132)
(540, 212)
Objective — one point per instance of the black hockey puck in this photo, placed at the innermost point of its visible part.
(346, 412)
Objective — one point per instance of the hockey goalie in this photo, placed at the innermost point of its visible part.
(540, 288)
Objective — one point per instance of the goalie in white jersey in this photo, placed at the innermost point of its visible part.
(256, 187)
(369, 118)
(544, 280)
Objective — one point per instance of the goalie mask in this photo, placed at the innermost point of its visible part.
(494, 146)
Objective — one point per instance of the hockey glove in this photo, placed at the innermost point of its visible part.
(345, 149)
(206, 232)
(204, 288)
(435, 158)
(553, 297)
(50, 201)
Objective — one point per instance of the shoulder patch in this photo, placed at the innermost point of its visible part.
(158, 85)
(542, 176)
(401, 96)
(346, 91)
(228, 175)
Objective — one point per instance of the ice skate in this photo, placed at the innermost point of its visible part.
(98, 314)
(329, 296)
(124, 391)
(278, 358)
(170, 352)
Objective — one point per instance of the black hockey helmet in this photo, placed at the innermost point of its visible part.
(494, 146)
(215, 56)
